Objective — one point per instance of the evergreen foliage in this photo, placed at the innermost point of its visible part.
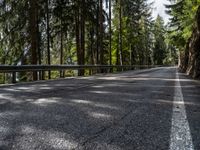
(81, 32)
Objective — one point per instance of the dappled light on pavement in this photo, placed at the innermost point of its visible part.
(130, 110)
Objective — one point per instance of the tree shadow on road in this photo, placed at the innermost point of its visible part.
(99, 113)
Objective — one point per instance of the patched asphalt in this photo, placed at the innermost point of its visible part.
(125, 111)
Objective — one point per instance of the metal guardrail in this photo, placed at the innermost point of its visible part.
(32, 68)
(42, 68)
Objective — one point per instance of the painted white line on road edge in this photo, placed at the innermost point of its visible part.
(180, 138)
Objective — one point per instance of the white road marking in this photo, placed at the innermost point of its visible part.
(181, 138)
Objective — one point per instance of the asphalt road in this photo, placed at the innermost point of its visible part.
(155, 109)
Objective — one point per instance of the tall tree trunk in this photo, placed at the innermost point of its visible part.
(117, 52)
(80, 34)
(120, 33)
(101, 32)
(33, 34)
(82, 28)
(48, 38)
(77, 24)
(92, 59)
(110, 28)
(97, 34)
(39, 50)
(61, 45)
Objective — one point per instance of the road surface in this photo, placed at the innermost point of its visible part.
(135, 110)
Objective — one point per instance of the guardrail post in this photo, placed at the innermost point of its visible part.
(43, 75)
(62, 73)
(13, 77)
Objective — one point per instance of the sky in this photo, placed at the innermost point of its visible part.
(159, 8)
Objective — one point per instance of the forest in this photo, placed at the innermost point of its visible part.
(96, 32)
(185, 34)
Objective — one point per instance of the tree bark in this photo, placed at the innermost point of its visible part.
(61, 46)
(101, 32)
(48, 38)
(39, 47)
(80, 34)
(82, 28)
(120, 32)
(110, 28)
(97, 34)
(33, 34)
(77, 18)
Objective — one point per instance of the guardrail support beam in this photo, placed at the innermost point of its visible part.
(14, 77)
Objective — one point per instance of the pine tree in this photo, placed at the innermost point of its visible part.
(159, 50)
